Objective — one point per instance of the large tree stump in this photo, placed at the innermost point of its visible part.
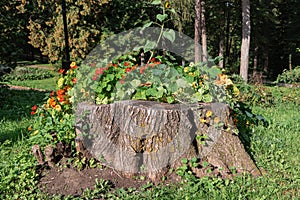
(145, 136)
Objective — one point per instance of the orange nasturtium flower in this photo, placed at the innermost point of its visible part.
(60, 92)
(128, 69)
(126, 64)
(61, 71)
(52, 102)
(74, 80)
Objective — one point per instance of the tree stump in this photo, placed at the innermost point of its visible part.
(148, 137)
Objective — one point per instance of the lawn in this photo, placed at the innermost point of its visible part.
(274, 149)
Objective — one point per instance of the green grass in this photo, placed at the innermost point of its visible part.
(274, 149)
(30, 77)
(46, 84)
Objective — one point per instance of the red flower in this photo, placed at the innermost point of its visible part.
(60, 98)
(151, 65)
(94, 78)
(52, 94)
(100, 71)
(126, 63)
(122, 81)
(74, 80)
(34, 108)
(60, 92)
(142, 69)
(61, 71)
(134, 67)
(32, 113)
(152, 60)
(128, 69)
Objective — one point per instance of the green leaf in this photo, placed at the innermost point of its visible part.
(156, 2)
(181, 83)
(214, 71)
(161, 17)
(184, 161)
(108, 88)
(135, 83)
(149, 45)
(141, 95)
(151, 92)
(160, 92)
(170, 35)
(147, 24)
(207, 98)
(110, 77)
(170, 99)
(173, 87)
(157, 72)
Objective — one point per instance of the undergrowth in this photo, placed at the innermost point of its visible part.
(274, 149)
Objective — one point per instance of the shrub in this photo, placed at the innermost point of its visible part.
(25, 73)
(289, 76)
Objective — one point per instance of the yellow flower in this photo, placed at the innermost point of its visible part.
(73, 64)
(205, 77)
(208, 113)
(191, 64)
(194, 84)
(216, 120)
(58, 108)
(236, 91)
(60, 82)
(186, 69)
(167, 5)
(191, 74)
(202, 120)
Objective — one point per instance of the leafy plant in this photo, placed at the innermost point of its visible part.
(27, 73)
(185, 170)
(289, 76)
(55, 119)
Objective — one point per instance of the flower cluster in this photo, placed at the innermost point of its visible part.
(116, 72)
(55, 117)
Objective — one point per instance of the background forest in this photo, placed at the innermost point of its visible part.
(33, 30)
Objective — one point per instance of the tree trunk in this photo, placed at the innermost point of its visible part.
(221, 52)
(198, 54)
(146, 137)
(245, 39)
(203, 31)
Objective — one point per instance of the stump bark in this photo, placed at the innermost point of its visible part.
(150, 137)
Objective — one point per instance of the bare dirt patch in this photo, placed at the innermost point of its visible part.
(70, 181)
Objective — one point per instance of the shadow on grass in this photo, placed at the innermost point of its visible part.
(15, 108)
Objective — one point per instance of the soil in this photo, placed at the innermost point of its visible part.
(65, 181)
